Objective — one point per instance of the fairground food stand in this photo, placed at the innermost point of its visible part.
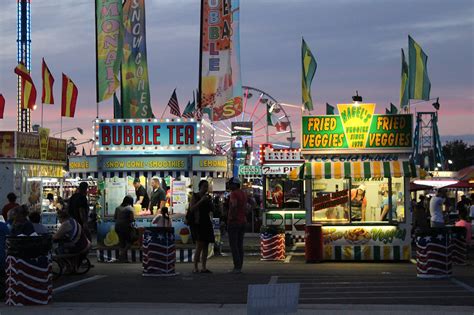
(177, 151)
(283, 198)
(29, 162)
(355, 161)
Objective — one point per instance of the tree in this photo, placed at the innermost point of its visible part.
(460, 153)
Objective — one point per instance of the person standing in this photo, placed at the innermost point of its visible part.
(10, 205)
(124, 219)
(79, 208)
(163, 219)
(236, 220)
(201, 208)
(436, 210)
(465, 224)
(158, 195)
(142, 196)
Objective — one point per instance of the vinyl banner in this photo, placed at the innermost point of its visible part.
(221, 86)
(135, 86)
(109, 46)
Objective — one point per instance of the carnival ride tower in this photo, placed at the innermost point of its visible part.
(427, 144)
(24, 56)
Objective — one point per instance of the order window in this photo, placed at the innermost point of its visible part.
(283, 193)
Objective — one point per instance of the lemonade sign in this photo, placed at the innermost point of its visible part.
(357, 128)
(356, 122)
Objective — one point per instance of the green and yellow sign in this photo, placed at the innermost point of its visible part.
(355, 128)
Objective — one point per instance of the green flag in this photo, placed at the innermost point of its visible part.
(404, 84)
(272, 119)
(329, 109)
(392, 111)
(418, 81)
(117, 108)
(309, 66)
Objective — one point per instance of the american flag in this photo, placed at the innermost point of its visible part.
(272, 247)
(173, 104)
(432, 254)
(159, 252)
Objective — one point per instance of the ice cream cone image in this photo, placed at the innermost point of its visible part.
(184, 234)
(209, 89)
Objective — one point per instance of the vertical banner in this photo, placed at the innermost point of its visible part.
(43, 142)
(135, 86)
(221, 86)
(109, 46)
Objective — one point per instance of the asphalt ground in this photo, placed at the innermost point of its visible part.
(385, 283)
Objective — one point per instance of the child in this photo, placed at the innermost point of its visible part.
(162, 219)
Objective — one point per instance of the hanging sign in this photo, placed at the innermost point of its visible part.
(210, 163)
(273, 169)
(142, 163)
(357, 128)
(250, 170)
(270, 154)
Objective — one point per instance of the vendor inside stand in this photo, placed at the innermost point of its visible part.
(158, 196)
(142, 196)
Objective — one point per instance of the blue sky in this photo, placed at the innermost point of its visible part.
(356, 43)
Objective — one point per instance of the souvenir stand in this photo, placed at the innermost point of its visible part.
(283, 198)
(178, 151)
(354, 162)
(31, 165)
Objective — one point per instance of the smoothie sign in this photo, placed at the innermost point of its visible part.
(357, 127)
(118, 137)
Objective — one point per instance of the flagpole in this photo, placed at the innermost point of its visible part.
(61, 128)
(162, 114)
(96, 65)
(198, 103)
(42, 107)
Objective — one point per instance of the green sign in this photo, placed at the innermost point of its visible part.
(250, 170)
(332, 133)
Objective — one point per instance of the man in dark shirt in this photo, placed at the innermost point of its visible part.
(10, 205)
(142, 196)
(158, 195)
(79, 207)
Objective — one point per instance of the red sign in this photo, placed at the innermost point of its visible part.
(331, 200)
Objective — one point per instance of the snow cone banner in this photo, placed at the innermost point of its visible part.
(221, 86)
(135, 86)
(109, 46)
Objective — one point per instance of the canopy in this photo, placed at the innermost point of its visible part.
(416, 187)
(462, 184)
(466, 173)
(319, 170)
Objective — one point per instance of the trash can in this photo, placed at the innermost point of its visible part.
(458, 245)
(159, 252)
(433, 259)
(313, 239)
(29, 278)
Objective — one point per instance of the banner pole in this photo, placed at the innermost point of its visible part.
(42, 107)
(61, 128)
(163, 113)
(96, 63)
(200, 56)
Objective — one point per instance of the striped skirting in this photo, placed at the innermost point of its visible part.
(367, 253)
(161, 174)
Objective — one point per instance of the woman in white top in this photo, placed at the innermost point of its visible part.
(162, 219)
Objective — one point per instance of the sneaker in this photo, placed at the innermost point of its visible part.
(235, 271)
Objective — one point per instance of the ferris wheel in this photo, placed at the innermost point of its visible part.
(268, 119)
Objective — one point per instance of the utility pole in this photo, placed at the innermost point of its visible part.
(23, 55)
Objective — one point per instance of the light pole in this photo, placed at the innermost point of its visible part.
(80, 130)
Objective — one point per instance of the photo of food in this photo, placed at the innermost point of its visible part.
(357, 236)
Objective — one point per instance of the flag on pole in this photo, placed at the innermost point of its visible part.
(392, 111)
(28, 90)
(309, 66)
(2, 105)
(272, 119)
(418, 81)
(117, 108)
(173, 105)
(329, 109)
(69, 97)
(404, 84)
(190, 109)
(48, 81)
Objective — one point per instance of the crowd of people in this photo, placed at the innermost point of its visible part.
(436, 212)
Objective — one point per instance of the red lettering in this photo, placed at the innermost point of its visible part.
(179, 134)
(147, 136)
(156, 135)
(128, 135)
(170, 128)
(189, 135)
(105, 135)
(138, 130)
(116, 135)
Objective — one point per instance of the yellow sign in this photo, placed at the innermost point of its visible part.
(44, 140)
(356, 120)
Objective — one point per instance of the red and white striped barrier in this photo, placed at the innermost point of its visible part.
(29, 281)
(272, 247)
(458, 246)
(159, 252)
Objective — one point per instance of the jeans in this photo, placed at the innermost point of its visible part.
(236, 242)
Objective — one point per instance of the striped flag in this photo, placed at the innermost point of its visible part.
(69, 97)
(2, 105)
(418, 81)
(28, 89)
(48, 81)
(173, 105)
(309, 66)
(117, 108)
(392, 111)
(329, 109)
(190, 109)
(404, 84)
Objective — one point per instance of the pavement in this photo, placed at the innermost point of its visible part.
(325, 288)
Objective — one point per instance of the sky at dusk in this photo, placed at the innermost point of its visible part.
(356, 43)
